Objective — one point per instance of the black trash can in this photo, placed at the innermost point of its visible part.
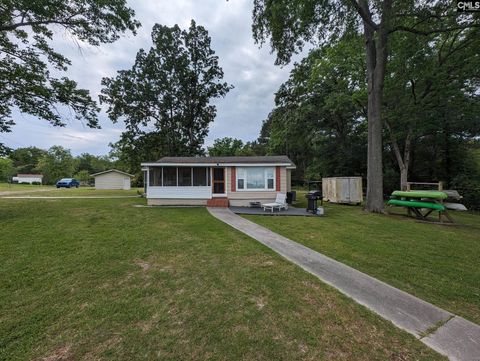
(289, 197)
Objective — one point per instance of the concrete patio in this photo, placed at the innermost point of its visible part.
(291, 211)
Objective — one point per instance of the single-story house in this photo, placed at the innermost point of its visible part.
(216, 181)
(28, 178)
(112, 179)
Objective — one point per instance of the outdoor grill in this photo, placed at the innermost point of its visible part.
(313, 197)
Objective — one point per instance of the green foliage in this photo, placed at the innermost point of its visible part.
(225, 147)
(27, 58)
(83, 176)
(92, 163)
(6, 169)
(430, 94)
(57, 163)
(25, 160)
(235, 147)
(319, 119)
(165, 98)
(290, 23)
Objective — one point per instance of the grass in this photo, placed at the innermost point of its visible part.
(101, 279)
(13, 187)
(52, 191)
(437, 263)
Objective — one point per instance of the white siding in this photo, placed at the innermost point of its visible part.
(27, 179)
(179, 192)
(112, 180)
(176, 202)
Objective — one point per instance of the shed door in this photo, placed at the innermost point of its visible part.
(126, 183)
(345, 190)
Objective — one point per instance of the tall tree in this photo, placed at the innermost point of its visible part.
(320, 112)
(225, 147)
(25, 160)
(92, 163)
(290, 23)
(6, 169)
(168, 92)
(57, 163)
(28, 61)
(432, 90)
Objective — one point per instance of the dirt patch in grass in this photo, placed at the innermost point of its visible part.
(63, 353)
(144, 265)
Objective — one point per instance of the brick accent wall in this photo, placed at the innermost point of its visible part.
(217, 202)
(277, 178)
(234, 179)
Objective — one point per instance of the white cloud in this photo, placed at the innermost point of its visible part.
(250, 69)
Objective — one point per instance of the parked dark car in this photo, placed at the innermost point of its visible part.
(68, 183)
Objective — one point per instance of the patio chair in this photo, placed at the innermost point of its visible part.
(280, 203)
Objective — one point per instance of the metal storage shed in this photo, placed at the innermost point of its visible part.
(112, 179)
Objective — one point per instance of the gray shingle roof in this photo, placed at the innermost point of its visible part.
(270, 159)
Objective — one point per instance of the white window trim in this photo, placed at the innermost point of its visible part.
(265, 189)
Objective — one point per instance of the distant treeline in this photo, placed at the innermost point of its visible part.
(54, 163)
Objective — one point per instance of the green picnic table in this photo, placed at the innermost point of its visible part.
(421, 203)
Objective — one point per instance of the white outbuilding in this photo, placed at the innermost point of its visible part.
(28, 178)
(112, 179)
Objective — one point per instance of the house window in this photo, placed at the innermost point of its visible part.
(169, 176)
(155, 176)
(256, 178)
(184, 176)
(270, 176)
(200, 177)
(241, 183)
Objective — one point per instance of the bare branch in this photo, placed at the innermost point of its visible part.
(365, 14)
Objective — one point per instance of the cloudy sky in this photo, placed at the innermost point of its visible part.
(249, 68)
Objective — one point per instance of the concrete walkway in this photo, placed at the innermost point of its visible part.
(443, 331)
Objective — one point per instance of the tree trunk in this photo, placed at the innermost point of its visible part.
(376, 60)
(375, 148)
(403, 162)
(374, 202)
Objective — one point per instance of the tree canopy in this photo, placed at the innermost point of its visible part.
(30, 68)
(289, 24)
(431, 105)
(54, 163)
(166, 95)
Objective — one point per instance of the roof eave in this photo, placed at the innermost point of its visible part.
(158, 164)
(112, 170)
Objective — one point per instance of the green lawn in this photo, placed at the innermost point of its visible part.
(9, 187)
(101, 279)
(48, 191)
(437, 263)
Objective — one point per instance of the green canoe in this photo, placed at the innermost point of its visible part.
(420, 194)
(416, 204)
